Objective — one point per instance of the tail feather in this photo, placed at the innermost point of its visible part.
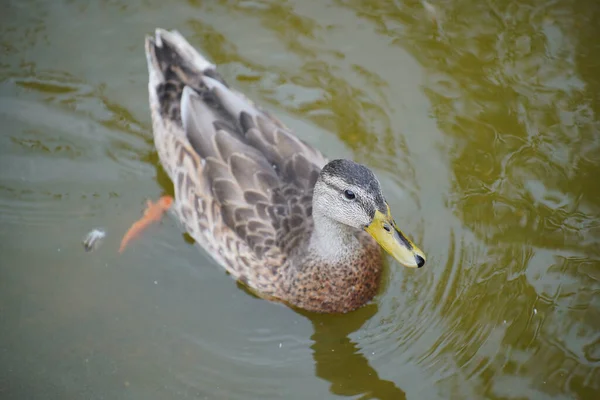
(166, 49)
(173, 64)
(171, 57)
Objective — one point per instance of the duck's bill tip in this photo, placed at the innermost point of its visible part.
(384, 230)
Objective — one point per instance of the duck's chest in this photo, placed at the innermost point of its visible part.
(338, 288)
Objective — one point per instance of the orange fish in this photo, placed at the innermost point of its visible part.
(153, 213)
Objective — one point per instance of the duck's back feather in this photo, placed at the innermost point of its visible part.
(256, 173)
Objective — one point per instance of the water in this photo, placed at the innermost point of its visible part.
(480, 118)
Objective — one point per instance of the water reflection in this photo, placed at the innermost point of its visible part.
(340, 361)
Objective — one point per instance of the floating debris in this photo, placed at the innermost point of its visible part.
(431, 10)
(93, 240)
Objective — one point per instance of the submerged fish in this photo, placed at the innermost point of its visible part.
(153, 213)
(93, 239)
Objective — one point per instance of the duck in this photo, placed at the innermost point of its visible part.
(283, 220)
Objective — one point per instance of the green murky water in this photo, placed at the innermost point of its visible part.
(481, 119)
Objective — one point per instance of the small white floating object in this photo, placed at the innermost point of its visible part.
(431, 10)
(93, 239)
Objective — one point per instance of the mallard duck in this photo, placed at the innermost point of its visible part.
(271, 209)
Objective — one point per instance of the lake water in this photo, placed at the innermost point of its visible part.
(481, 119)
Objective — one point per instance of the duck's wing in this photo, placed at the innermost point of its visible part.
(229, 153)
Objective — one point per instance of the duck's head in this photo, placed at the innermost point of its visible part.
(350, 194)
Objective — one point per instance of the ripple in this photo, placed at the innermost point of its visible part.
(77, 121)
(412, 320)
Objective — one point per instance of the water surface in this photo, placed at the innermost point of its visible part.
(479, 118)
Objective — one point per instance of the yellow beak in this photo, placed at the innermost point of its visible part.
(386, 233)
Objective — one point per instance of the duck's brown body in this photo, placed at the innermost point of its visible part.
(244, 186)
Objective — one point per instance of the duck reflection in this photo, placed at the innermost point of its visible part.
(340, 361)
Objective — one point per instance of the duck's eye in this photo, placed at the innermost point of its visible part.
(349, 194)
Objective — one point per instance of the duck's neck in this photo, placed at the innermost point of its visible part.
(331, 240)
